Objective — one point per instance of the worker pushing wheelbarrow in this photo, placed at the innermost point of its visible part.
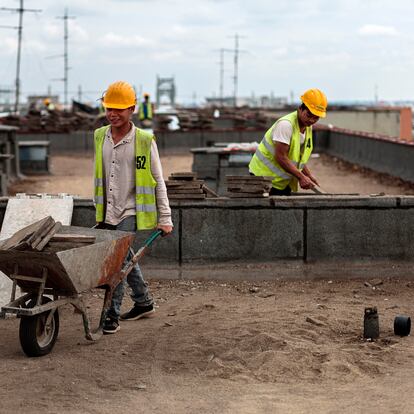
(60, 275)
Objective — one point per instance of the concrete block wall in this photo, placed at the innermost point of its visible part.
(383, 155)
(74, 142)
(300, 229)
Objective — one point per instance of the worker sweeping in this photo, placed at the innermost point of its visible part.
(287, 146)
(145, 112)
(130, 193)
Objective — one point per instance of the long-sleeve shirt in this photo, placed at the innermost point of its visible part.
(119, 179)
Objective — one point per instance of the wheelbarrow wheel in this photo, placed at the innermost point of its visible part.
(37, 337)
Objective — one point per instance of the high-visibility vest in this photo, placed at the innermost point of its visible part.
(145, 199)
(145, 110)
(263, 162)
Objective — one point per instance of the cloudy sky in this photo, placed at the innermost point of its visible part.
(348, 48)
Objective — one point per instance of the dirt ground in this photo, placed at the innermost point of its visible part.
(73, 175)
(225, 347)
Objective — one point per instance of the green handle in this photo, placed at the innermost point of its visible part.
(153, 236)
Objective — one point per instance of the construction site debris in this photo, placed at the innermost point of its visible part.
(51, 122)
(248, 186)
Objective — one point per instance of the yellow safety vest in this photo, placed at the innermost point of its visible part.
(145, 199)
(263, 162)
(142, 113)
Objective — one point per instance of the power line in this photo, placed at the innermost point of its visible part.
(21, 10)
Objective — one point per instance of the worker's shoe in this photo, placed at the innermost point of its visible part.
(138, 312)
(110, 326)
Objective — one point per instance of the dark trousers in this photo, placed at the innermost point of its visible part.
(285, 192)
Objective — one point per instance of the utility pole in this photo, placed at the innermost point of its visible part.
(221, 63)
(221, 75)
(80, 93)
(236, 67)
(66, 68)
(19, 28)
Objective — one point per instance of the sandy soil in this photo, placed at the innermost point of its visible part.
(269, 347)
(73, 175)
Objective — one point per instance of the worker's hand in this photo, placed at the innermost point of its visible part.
(314, 180)
(306, 183)
(165, 229)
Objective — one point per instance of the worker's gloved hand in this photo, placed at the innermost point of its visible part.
(306, 183)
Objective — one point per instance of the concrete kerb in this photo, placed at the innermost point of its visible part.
(282, 270)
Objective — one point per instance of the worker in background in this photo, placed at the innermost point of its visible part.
(49, 105)
(146, 111)
(130, 193)
(287, 146)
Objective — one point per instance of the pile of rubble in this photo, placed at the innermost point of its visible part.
(51, 121)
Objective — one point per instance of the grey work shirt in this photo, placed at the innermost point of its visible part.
(119, 179)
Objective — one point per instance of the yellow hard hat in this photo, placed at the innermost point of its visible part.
(316, 102)
(119, 95)
(46, 101)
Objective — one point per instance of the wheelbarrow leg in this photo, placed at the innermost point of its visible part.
(94, 335)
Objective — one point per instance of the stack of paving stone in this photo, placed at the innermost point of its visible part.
(185, 186)
(241, 186)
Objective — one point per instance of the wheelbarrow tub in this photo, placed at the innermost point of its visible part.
(75, 270)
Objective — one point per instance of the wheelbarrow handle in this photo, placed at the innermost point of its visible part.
(152, 237)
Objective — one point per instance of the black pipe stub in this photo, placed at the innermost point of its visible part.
(371, 323)
(402, 325)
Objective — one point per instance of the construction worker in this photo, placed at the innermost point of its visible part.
(145, 112)
(130, 193)
(50, 106)
(287, 146)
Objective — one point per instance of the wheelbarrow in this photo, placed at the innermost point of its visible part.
(49, 280)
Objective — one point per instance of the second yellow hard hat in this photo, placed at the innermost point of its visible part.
(316, 101)
(119, 95)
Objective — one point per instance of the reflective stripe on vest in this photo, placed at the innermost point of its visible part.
(145, 184)
(263, 163)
